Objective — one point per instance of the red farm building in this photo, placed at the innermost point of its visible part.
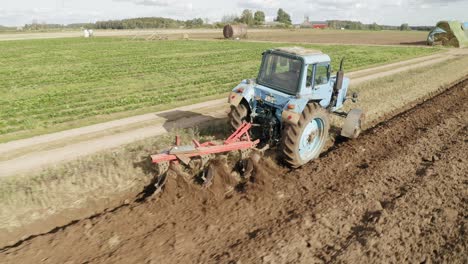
(320, 25)
(313, 24)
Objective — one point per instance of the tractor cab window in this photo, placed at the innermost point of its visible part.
(321, 74)
(281, 73)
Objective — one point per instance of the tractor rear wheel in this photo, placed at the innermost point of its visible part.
(304, 141)
(238, 115)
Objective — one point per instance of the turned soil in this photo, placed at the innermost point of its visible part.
(396, 194)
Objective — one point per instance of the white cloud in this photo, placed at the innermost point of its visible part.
(147, 2)
(15, 17)
(415, 12)
(258, 4)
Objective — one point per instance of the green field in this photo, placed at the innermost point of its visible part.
(51, 85)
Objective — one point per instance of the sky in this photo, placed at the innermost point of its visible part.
(388, 12)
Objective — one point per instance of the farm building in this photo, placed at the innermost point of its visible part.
(319, 24)
(313, 24)
(449, 33)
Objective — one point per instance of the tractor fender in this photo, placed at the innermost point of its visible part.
(235, 98)
(298, 103)
(244, 90)
(291, 115)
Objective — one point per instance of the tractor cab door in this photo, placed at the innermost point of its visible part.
(321, 76)
(318, 75)
(318, 78)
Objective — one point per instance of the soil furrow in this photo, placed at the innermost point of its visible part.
(428, 129)
(426, 219)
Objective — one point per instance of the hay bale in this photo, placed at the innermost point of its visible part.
(235, 31)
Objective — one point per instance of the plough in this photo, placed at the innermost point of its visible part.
(199, 154)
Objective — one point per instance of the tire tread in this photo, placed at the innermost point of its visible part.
(292, 133)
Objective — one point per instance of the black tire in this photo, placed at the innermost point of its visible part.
(238, 115)
(292, 135)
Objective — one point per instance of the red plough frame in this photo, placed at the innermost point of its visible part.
(239, 140)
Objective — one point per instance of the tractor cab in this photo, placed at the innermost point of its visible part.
(294, 71)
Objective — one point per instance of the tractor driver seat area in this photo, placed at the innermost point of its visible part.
(289, 78)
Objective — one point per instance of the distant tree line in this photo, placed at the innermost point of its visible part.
(133, 23)
(81, 25)
(352, 25)
(41, 26)
(255, 19)
(249, 17)
(422, 28)
(3, 28)
(144, 22)
(357, 25)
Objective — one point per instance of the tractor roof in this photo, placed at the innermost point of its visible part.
(310, 55)
(299, 51)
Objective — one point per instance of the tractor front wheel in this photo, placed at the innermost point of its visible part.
(238, 115)
(304, 141)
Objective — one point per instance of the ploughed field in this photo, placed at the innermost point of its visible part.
(358, 37)
(56, 84)
(395, 194)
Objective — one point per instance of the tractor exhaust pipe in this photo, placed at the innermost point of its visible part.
(339, 78)
(338, 84)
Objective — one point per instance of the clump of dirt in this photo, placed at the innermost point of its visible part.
(260, 179)
(221, 179)
(178, 185)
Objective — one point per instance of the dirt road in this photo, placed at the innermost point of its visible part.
(22, 156)
(397, 194)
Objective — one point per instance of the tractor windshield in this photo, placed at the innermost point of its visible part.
(280, 73)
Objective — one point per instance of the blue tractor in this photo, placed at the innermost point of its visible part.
(290, 101)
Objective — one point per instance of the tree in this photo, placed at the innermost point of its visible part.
(194, 23)
(374, 26)
(247, 17)
(283, 17)
(259, 18)
(405, 27)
